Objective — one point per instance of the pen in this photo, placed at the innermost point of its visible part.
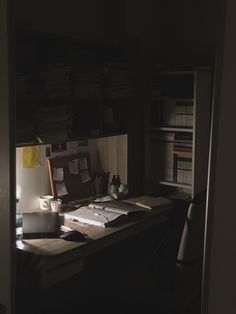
(98, 214)
(72, 219)
(96, 206)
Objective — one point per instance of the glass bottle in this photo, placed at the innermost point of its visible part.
(114, 186)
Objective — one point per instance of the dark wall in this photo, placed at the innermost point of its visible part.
(220, 273)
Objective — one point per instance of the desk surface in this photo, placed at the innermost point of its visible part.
(57, 258)
(97, 237)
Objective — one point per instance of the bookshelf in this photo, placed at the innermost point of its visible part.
(177, 131)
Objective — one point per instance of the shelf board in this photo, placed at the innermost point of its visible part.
(172, 129)
(184, 99)
(176, 184)
(75, 138)
(176, 72)
(116, 97)
(104, 134)
(153, 98)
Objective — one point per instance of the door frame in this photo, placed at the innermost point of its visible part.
(7, 161)
(219, 257)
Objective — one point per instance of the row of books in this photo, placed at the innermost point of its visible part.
(174, 153)
(182, 172)
(115, 80)
(175, 113)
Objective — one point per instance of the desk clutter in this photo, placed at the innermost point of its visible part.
(48, 224)
(82, 199)
(107, 214)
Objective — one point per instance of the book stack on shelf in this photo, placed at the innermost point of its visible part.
(86, 81)
(115, 81)
(86, 86)
(182, 154)
(25, 129)
(54, 121)
(163, 156)
(88, 77)
(55, 81)
(24, 86)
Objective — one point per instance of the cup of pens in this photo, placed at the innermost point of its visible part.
(101, 183)
(98, 184)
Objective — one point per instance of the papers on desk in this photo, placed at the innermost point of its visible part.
(109, 213)
(94, 216)
(150, 202)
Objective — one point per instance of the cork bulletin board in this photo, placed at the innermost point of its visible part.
(70, 177)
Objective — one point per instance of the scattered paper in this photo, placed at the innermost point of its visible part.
(85, 176)
(83, 163)
(61, 189)
(30, 157)
(73, 166)
(58, 174)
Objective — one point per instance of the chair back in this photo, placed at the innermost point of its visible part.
(192, 239)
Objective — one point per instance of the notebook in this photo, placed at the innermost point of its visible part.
(41, 225)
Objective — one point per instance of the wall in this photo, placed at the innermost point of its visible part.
(175, 32)
(71, 16)
(34, 182)
(220, 271)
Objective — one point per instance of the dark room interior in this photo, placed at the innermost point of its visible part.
(116, 104)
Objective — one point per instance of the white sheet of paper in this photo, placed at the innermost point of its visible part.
(58, 174)
(61, 189)
(85, 176)
(73, 166)
(83, 163)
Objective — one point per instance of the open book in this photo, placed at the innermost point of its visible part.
(95, 216)
(150, 202)
(119, 207)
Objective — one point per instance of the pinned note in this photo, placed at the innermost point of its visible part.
(30, 157)
(61, 189)
(58, 174)
(73, 166)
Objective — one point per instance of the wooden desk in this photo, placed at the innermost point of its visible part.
(57, 259)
